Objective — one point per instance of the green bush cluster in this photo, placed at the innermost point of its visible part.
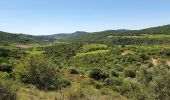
(98, 74)
(73, 71)
(8, 87)
(39, 71)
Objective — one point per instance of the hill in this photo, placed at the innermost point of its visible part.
(103, 36)
(158, 30)
(63, 35)
(6, 38)
(124, 35)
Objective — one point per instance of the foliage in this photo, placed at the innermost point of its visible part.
(133, 64)
(62, 52)
(98, 74)
(36, 70)
(114, 74)
(113, 81)
(159, 86)
(130, 73)
(8, 57)
(8, 87)
(73, 71)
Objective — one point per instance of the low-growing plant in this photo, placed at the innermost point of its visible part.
(113, 82)
(73, 71)
(98, 74)
(39, 71)
(114, 74)
(7, 89)
(128, 72)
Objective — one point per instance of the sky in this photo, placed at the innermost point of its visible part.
(42, 17)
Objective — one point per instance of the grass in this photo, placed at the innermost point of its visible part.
(92, 52)
(7, 47)
(81, 89)
(34, 52)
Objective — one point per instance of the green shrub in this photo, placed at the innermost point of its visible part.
(5, 67)
(98, 74)
(4, 75)
(159, 87)
(118, 68)
(64, 83)
(113, 82)
(73, 71)
(39, 71)
(130, 73)
(114, 74)
(98, 85)
(7, 89)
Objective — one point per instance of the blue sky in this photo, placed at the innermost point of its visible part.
(65, 16)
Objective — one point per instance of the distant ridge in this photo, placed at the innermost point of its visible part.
(63, 35)
(6, 37)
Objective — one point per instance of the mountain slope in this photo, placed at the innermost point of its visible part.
(6, 38)
(102, 36)
(159, 30)
(63, 35)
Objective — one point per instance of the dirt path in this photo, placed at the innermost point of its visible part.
(126, 52)
(168, 62)
(24, 46)
(154, 62)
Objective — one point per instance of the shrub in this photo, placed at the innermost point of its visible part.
(64, 83)
(5, 67)
(113, 81)
(73, 71)
(98, 85)
(118, 68)
(159, 87)
(98, 74)
(4, 52)
(4, 75)
(114, 74)
(130, 73)
(7, 88)
(39, 71)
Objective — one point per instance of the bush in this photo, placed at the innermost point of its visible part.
(130, 73)
(114, 74)
(159, 87)
(98, 74)
(113, 82)
(6, 67)
(118, 68)
(73, 71)
(7, 89)
(38, 71)
(4, 75)
(64, 83)
(98, 85)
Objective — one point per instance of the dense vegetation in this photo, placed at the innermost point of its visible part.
(121, 65)
(9, 38)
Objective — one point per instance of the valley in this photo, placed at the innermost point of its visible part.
(107, 65)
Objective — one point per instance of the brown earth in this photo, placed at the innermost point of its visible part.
(24, 46)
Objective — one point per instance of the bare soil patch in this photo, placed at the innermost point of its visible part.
(24, 46)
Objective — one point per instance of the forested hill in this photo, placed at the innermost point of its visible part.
(6, 38)
(105, 35)
(159, 30)
(63, 35)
